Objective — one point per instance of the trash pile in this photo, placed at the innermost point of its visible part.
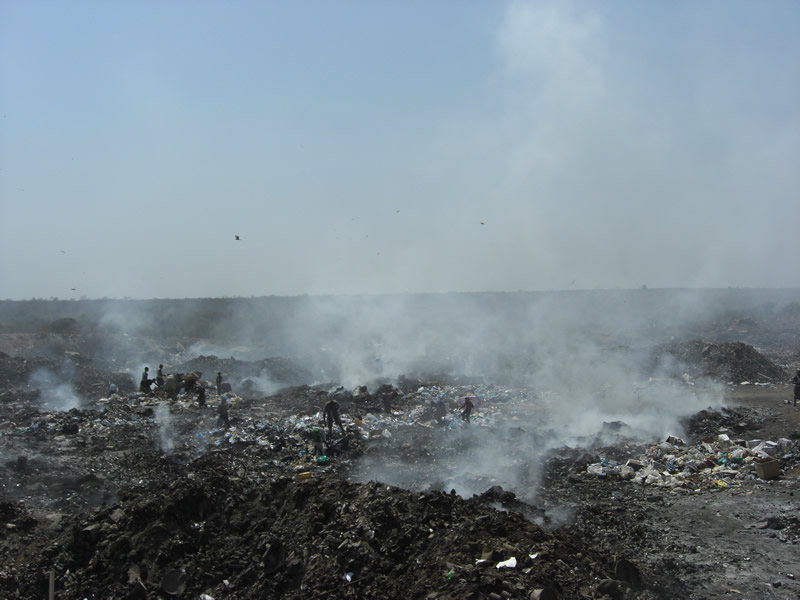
(251, 511)
(690, 468)
(733, 362)
(135, 495)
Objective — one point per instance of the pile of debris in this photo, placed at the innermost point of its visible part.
(733, 362)
(250, 511)
(688, 468)
(140, 497)
(211, 535)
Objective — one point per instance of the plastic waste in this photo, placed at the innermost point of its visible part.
(304, 475)
(597, 469)
(507, 564)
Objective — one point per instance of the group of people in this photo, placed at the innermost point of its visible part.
(169, 383)
(330, 413)
(440, 409)
(146, 384)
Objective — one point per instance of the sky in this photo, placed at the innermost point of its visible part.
(363, 147)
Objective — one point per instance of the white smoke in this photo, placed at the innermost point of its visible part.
(165, 433)
(261, 385)
(582, 360)
(508, 443)
(55, 394)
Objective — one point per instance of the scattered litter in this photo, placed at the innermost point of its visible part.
(507, 564)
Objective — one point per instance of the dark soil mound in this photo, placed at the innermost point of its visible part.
(257, 537)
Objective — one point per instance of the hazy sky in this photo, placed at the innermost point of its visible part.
(386, 146)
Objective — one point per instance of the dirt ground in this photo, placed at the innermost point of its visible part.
(136, 496)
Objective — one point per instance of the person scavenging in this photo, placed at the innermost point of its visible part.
(219, 383)
(201, 396)
(388, 399)
(796, 382)
(144, 385)
(331, 415)
(160, 376)
(319, 440)
(222, 411)
(468, 406)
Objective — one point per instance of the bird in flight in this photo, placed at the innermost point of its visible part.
(237, 238)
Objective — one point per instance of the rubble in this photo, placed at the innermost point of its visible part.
(713, 465)
(131, 495)
(250, 511)
(734, 362)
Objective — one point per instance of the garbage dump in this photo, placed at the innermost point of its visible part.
(734, 362)
(150, 495)
(721, 463)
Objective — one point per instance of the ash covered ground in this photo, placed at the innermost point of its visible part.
(623, 445)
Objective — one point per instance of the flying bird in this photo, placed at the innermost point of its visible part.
(237, 238)
(482, 223)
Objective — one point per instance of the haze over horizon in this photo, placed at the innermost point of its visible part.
(380, 148)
